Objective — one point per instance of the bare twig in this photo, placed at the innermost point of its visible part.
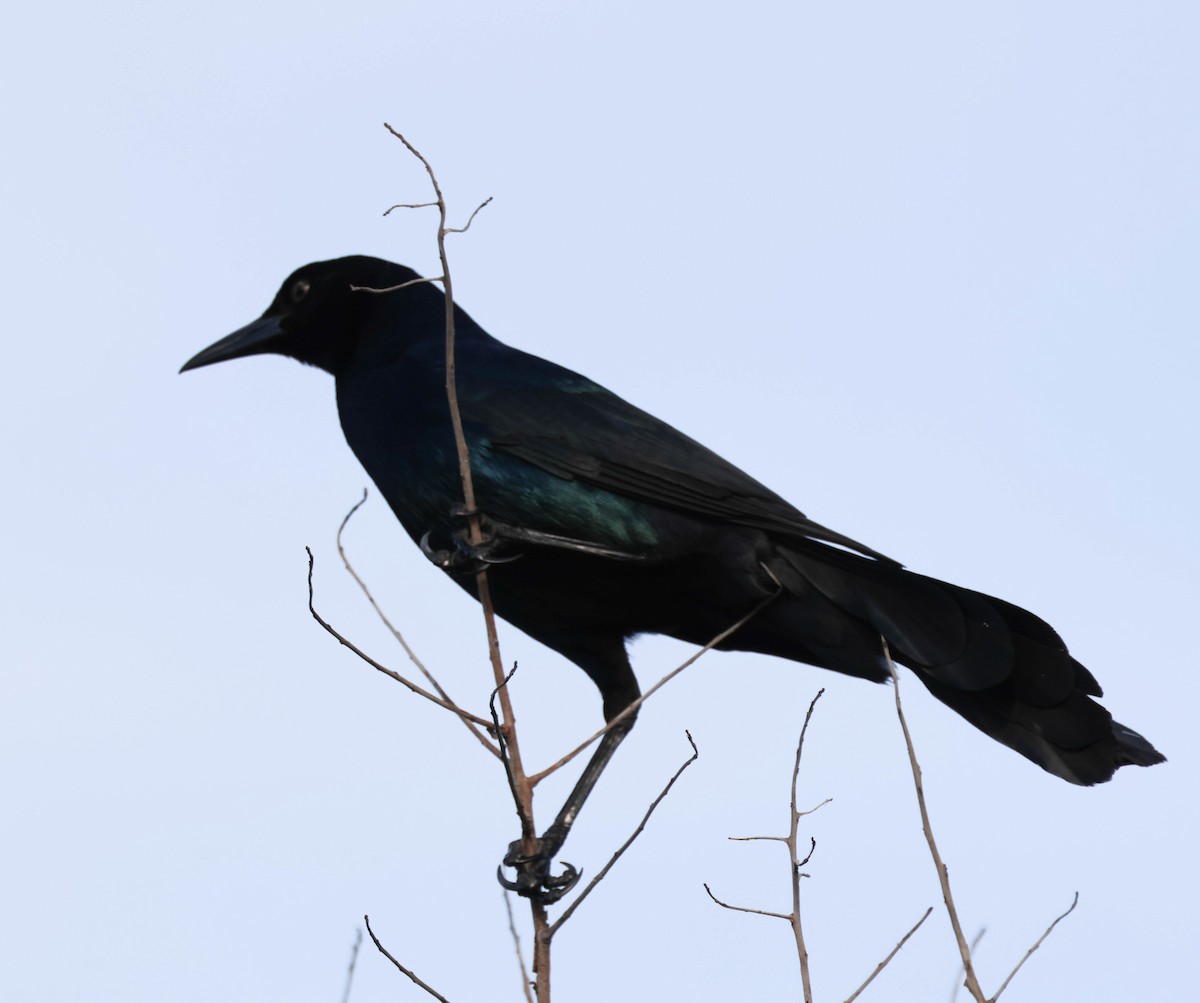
(353, 961)
(412, 655)
(625, 714)
(1037, 944)
(971, 981)
(526, 982)
(522, 789)
(791, 840)
(470, 219)
(797, 928)
(408, 205)
(403, 285)
(467, 715)
(754, 912)
(883, 964)
(384, 951)
(792, 843)
(557, 924)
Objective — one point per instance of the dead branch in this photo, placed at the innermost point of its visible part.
(526, 981)
(791, 840)
(1036, 945)
(412, 975)
(522, 789)
(466, 715)
(754, 912)
(412, 655)
(883, 964)
(403, 285)
(557, 924)
(971, 981)
(470, 219)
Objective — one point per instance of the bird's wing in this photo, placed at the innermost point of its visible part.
(585, 433)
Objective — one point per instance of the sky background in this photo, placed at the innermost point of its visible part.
(928, 270)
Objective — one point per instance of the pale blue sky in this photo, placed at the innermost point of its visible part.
(928, 270)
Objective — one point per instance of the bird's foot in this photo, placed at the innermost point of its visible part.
(465, 557)
(533, 879)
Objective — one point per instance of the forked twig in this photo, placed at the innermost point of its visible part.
(791, 840)
(467, 715)
(412, 655)
(554, 927)
(412, 975)
(522, 789)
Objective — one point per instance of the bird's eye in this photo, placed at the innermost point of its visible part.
(300, 290)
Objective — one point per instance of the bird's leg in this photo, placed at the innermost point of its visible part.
(500, 545)
(534, 879)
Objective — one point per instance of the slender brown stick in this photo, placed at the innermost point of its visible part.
(537, 778)
(526, 982)
(523, 790)
(791, 840)
(797, 929)
(391, 673)
(412, 655)
(971, 982)
(753, 912)
(403, 285)
(384, 951)
(883, 964)
(1037, 944)
(554, 927)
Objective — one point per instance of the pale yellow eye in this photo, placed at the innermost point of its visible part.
(300, 290)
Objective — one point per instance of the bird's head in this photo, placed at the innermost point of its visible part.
(318, 315)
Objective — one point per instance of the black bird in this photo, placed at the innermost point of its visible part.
(604, 523)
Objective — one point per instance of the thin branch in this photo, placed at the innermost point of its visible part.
(972, 981)
(524, 798)
(470, 219)
(526, 982)
(1037, 944)
(625, 714)
(353, 961)
(742, 908)
(467, 715)
(883, 964)
(397, 288)
(522, 789)
(797, 927)
(384, 951)
(629, 842)
(408, 205)
(412, 655)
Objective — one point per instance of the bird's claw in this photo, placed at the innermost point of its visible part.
(533, 880)
(469, 558)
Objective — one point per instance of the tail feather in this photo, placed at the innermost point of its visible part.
(1001, 667)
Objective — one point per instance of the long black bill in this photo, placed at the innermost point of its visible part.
(256, 338)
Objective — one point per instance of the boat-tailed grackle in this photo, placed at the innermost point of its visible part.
(603, 523)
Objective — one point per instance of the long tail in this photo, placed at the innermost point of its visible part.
(999, 666)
